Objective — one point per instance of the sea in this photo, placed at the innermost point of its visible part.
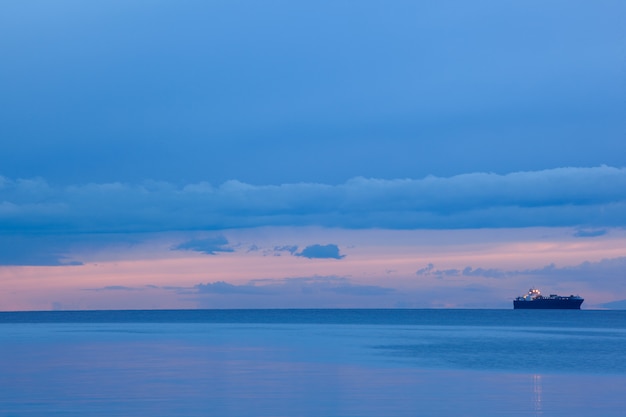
(275, 363)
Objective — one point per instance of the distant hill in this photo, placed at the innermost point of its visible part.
(615, 305)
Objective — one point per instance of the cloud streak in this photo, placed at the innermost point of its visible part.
(300, 285)
(114, 288)
(582, 197)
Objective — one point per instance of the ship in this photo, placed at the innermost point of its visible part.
(534, 300)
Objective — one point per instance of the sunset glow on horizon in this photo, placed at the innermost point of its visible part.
(383, 269)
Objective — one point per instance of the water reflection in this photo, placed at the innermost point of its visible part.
(537, 395)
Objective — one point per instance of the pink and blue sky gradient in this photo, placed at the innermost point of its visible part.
(303, 154)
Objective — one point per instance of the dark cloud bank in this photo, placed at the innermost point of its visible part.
(590, 198)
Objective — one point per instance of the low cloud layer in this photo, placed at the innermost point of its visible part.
(221, 287)
(300, 285)
(589, 198)
(604, 273)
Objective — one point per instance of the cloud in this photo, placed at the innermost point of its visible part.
(361, 290)
(468, 271)
(603, 272)
(210, 245)
(113, 288)
(221, 287)
(426, 271)
(590, 232)
(598, 273)
(590, 198)
(483, 272)
(431, 271)
(329, 251)
(292, 249)
(294, 286)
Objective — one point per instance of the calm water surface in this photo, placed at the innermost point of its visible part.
(313, 363)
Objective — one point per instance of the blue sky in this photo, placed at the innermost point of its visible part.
(191, 123)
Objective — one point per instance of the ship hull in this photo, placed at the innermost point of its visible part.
(551, 304)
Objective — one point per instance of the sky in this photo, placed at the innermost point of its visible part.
(280, 154)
